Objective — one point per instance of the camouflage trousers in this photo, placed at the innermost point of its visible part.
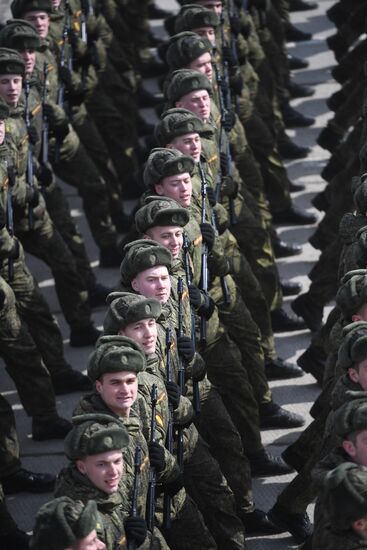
(46, 243)
(23, 361)
(206, 485)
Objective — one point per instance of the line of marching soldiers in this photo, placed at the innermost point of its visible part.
(167, 442)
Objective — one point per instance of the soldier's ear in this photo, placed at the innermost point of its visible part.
(349, 447)
(98, 386)
(81, 466)
(353, 375)
(135, 285)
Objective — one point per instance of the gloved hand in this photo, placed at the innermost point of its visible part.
(65, 76)
(236, 83)
(33, 196)
(210, 193)
(198, 369)
(229, 56)
(173, 487)
(32, 135)
(135, 529)
(76, 97)
(207, 307)
(228, 120)
(229, 187)
(156, 456)
(208, 234)
(195, 296)
(59, 127)
(235, 23)
(185, 348)
(174, 394)
(45, 175)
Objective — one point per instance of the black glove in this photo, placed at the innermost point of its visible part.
(173, 487)
(45, 175)
(33, 196)
(32, 135)
(224, 164)
(174, 394)
(2, 299)
(208, 234)
(195, 296)
(207, 308)
(185, 348)
(156, 456)
(135, 529)
(229, 56)
(59, 130)
(76, 97)
(229, 187)
(235, 24)
(210, 193)
(14, 252)
(73, 39)
(64, 75)
(236, 83)
(228, 120)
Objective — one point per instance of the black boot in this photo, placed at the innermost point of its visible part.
(296, 63)
(290, 150)
(15, 540)
(86, 336)
(329, 139)
(284, 250)
(298, 525)
(312, 362)
(296, 187)
(294, 216)
(298, 90)
(277, 369)
(281, 321)
(49, 428)
(290, 288)
(301, 5)
(28, 482)
(258, 523)
(97, 294)
(294, 119)
(293, 34)
(264, 464)
(310, 311)
(273, 416)
(71, 380)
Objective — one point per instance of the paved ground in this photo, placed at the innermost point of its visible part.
(298, 394)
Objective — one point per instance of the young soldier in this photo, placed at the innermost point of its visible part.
(65, 524)
(117, 393)
(32, 223)
(96, 472)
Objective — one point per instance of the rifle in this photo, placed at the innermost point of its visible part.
(131, 545)
(9, 213)
(181, 371)
(30, 150)
(169, 438)
(44, 156)
(65, 60)
(204, 254)
(152, 474)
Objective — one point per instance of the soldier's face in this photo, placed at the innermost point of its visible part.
(55, 4)
(118, 390)
(90, 542)
(2, 131)
(178, 188)
(143, 332)
(359, 375)
(198, 102)
(214, 5)
(153, 283)
(206, 32)
(29, 58)
(40, 20)
(170, 237)
(103, 470)
(203, 64)
(357, 450)
(11, 88)
(188, 144)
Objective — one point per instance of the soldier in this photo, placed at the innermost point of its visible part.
(95, 448)
(43, 239)
(117, 386)
(65, 524)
